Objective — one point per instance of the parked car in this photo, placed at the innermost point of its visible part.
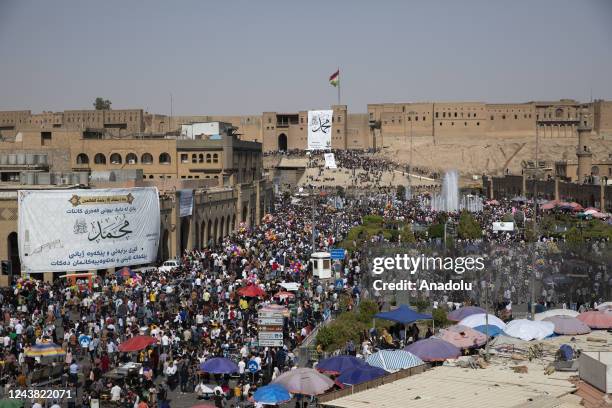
(169, 265)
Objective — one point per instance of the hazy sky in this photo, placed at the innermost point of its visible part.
(239, 57)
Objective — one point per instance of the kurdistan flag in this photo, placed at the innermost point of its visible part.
(334, 79)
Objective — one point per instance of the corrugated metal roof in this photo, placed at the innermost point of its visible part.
(453, 387)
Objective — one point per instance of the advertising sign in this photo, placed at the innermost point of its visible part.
(319, 129)
(270, 336)
(185, 203)
(337, 253)
(278, 321)
(270, 343)
(76, 230)
(503, 226)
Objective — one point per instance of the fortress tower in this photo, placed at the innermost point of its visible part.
(583, 151)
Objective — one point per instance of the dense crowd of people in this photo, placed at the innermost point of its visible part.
(195, 312)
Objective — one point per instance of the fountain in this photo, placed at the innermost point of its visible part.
(449, 201)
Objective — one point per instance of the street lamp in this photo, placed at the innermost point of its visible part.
(411, 113)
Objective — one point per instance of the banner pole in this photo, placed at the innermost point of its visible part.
(339, 100)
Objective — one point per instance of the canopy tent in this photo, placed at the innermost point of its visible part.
(433, 349)
(597, 319)
(337, 365)
(136, 343)
(305, 381)
(45, 349)
(463, 312)
(394, 360)
(403, 314)
(529, 329)
(462, 336)
(555, 312)
(481, 319)
(272, 394)
(358, 375)
(219, 365)
(568, 325)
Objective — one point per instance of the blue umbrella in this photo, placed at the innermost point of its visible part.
(490, 330)
(272, 394)
(219, 365)
(358, 375)
(339, 364)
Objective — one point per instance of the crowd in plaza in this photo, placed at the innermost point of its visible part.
(196, 312)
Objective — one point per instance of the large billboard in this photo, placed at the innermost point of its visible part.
(319, 129)
(76, 230)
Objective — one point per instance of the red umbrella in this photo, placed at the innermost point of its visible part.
(284, 295)
(575, 206)
(136, 343)
(251, 291)
(597, 319)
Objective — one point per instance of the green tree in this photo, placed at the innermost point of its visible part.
(102, 104)
(468, 227)
(439, 317)
(401, 192)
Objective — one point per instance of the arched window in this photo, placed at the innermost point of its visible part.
(595, 171)
(146, 158)
(115, 158)
(99, 158)
(131, 158)
(194, 158)
(200, 158)
(559, 113)
(215, 158)
(164, 158)
(82, 158)
(208, 158)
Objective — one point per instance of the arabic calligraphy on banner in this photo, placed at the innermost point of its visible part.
(319, 129)
(117, 227)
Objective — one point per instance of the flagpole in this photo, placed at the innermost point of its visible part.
(339, 100)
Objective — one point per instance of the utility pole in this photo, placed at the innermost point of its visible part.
(313, 219)
(535, 224)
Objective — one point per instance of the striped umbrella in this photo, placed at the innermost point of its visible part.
(47, 349)
(393, 360)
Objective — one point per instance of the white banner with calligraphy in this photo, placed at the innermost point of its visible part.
(79, 230)
(320, 129)
(330, 161)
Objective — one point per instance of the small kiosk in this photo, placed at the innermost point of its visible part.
(321, 265)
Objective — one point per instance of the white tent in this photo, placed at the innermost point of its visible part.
(530, 329)
(555, 312)
(479, 319)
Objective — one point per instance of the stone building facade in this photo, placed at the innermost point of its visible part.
(282, 131)
(224, 173)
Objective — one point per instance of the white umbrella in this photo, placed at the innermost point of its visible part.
(555, 312)
(479, 319)
(305, 381)
(530, 329)
(394, 360)
(603, 306)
